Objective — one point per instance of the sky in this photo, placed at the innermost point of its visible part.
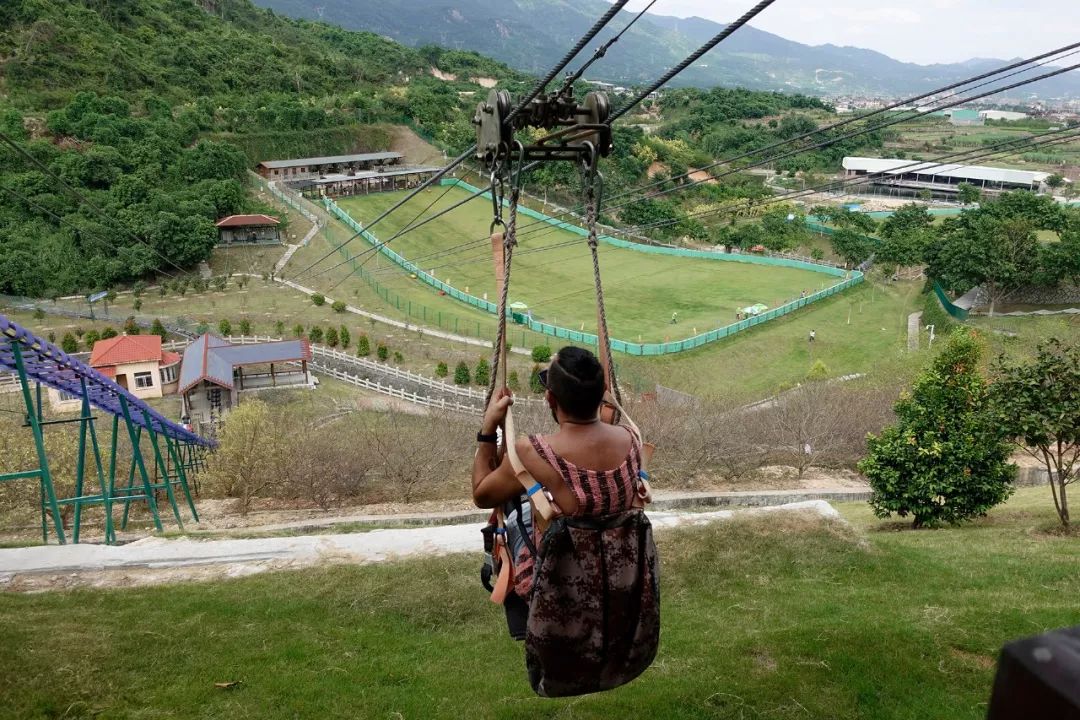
(921, 31)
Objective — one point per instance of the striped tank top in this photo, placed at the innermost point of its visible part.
(598, 493)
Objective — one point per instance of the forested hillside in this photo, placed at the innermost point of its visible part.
(153, 109)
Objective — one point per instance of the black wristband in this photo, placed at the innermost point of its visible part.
(482, 438)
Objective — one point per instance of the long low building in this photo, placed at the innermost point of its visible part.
(316, 166)
(399, 177)
(941, 177)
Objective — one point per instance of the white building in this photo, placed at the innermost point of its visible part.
(1002, 115)
(941, 177)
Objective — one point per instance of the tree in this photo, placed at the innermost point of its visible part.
(252, 445)
(363, 346)
(279, 329)
(398, 357)
(315, 334)
(512, 381)
(1055, 181)
(382, 352)
(541, 353)
(156, 328)
(91, 337)
(108, 333)
(946, 458)
(852, 246)
(69, 344)
(907, 219)
(981, 249)
(534, 380)
(298, 330)
(1038, 406)
(346, 338)
(245, 326)
(338, 306)
(331, 336)
(131, 327)
(318, 299)
(483, 372)
(224, 327)
(137, 305)
(968, 193)
(441, 370)
(461, 374)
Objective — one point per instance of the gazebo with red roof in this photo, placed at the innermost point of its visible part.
(249, 230)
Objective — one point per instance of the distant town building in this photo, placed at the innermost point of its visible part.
(943, 178)
(964, 118)
(248, 230)
(1003, 115)
(212, 372)
(316, 166)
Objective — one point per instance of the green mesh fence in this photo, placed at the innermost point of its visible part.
(850, 279)
(955, 310)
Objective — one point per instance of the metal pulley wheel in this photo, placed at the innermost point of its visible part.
(595, 110)
(492, 130)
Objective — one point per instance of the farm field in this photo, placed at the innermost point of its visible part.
(780, 617)
(642, 291)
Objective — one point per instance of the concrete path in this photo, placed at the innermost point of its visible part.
(289, 253)
(914, 328)
(159, 559)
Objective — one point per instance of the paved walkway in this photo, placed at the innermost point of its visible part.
(159, 559)
(914, 328)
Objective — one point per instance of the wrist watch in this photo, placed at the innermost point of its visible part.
(482, 438)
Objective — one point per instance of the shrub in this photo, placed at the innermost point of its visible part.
(382, 352)
(245, 326)
(69, 344)
(52, 337)
(91, 337)
(315, 334)
(318, 299)
(138, 288)
(137, 305)
(220, 282)
(346, 338)
(110, 296)
(819, 371)
(541, 353)
(279, 329)
(108, 333)
(156, 328)
(130, 327)
(398, 357)
(946, 458)
(39, 314)
(441, 370)
(331, 337)
(461, 374)
(817, 254)
(338, 306)
(512, 381)
(224, 326)
(162, 290)
(298, 330)
(483, 372)
(534, 380)
(79, 332)
(202, 328)
(363, 346)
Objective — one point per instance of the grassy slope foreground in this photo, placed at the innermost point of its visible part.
(778, 618)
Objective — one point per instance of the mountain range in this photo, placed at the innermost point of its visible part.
(532, 35)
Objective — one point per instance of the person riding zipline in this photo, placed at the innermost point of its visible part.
(586, 602)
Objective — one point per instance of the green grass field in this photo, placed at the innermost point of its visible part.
(641, 290)
(770, 618)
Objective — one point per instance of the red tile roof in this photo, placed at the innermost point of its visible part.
(168, 357)
(125, 349)
(247, 221)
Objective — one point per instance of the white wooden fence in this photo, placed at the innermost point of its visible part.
(401, 393)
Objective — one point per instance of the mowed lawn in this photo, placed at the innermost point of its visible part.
(783, 617)
(556, 281)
